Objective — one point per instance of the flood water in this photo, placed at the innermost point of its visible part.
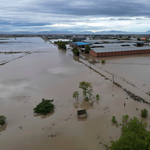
(55, 74)
(24, 45)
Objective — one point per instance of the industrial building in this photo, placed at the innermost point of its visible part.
(79, 44)
(118, 49)
(104, 48)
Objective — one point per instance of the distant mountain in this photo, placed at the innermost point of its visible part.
(113, 32)
(147, 31)
(55, 32)
(75, 32)
(86, 32)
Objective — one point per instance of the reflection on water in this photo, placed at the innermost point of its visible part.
(22, 45)
(82, 119)
(86, 104)
(3, 127)
(44, 116)
(56, 75)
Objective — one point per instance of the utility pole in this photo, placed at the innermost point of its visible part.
(113, 78)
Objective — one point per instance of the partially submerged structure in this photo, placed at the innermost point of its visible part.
(103, 50)
(115, 47)
(82, 113)
(79, 44)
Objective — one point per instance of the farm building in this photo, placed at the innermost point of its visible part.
(79, 44)
(104, 50)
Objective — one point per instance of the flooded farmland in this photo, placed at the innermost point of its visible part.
(47, 72)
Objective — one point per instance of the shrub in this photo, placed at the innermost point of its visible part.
(113, 119)
(102, 61)
(97, 97)
(2, 120)
(44, 107)
(86, 99)
(75, 95)
(144, 113)
(125, 118)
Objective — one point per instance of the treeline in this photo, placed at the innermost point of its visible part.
(62, 44)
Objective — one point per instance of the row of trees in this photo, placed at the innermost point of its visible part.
(62, 44)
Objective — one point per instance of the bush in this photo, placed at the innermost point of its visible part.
(2, 120)
(75, 95)
(144, 113)
(113, 119)
(138, 39)
(86, 99)
(97, 97)
(76, 51)
(44, 107)
(102, 61)
(125, 118)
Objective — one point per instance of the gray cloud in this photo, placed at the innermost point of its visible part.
(37, 14)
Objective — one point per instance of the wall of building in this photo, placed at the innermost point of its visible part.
(120, 53)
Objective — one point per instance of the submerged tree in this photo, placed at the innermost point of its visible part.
(75, 95)
(86, 87)
(97, 97)
(144, 113)
(2, 120)
(44, 107)
(134, 136)
(102, 61)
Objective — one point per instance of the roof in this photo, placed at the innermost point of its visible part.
(113, 46)
(81, 43)
(118, 47)
(112, 41)
(93, 41)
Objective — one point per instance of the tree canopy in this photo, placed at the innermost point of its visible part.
(76, 51)
(86, 87)
(75, 95)
(138, 39)
(2, 120)
(134, 136)
(44, 107)
(87, 49)
(62, 44)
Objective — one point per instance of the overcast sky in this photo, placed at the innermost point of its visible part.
(78, 15)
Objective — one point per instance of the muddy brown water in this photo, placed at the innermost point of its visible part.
(56, 75)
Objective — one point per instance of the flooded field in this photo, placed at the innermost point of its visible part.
(14, 48)
(56, 75)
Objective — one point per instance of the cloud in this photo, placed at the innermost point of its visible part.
(80, 14)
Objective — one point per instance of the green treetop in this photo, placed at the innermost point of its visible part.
(87, 49)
